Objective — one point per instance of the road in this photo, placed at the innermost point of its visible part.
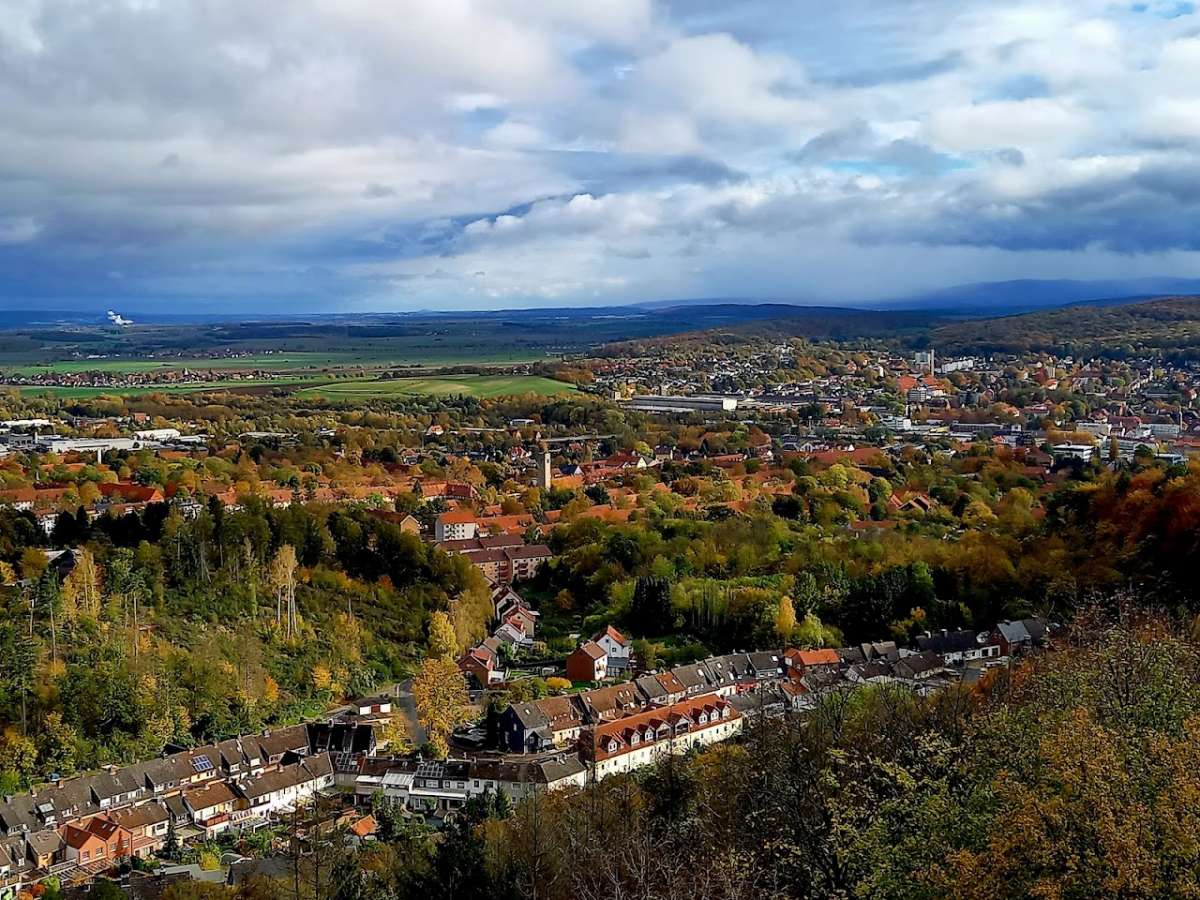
(407, 707)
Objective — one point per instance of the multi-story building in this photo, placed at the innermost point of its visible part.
(645, 737)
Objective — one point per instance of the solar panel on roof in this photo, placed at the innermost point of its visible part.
(202, 764)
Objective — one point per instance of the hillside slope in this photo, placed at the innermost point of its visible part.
(1169, 327)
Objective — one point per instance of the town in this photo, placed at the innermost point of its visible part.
(554, 689)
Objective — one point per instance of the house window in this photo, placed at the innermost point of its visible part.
(84, 855)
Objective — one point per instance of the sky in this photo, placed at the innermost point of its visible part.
(379, 155)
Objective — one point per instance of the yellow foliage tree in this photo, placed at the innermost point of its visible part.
(82, 589)
(322, 678)
(394, 737)
(440, 694)
(283, 582)
(442, 638)
(270, 691)
(785, 619)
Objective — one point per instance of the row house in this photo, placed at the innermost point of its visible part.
(519, 780)
(54, 823)
(211, 807)
(96, 845)
(428, 788)
(961, 646)
(279, 792)
(16, 869)
(541, 725)
(799, 663)
(174, 773)
(346, 742)
(147, 825)
(660, 689)
(611, 702)
(283, 746)
(556, 721)
(646, 737)
(438, 789)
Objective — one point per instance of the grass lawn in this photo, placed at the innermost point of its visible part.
(481, 386)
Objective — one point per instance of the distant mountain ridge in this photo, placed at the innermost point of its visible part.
(984, 298)
(975, 298)
(1026, 294)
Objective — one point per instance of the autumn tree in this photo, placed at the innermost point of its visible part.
(442, 639)
(785, 619)
(82, 588)
(440, 693)
(283, 583)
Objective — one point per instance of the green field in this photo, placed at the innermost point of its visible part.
(481, 386)
(210, 387)
(296, 361)
(268, 361)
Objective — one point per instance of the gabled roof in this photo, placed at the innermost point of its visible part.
(721, 670)
(621, 732)
(613, 634)
(140, 816)
(652, 689)
(765, 662)
(672, 684)
(281, 740)
(560, 712)
(693, 676)
(1014, 632)
(289, 776)
(606, 701)
(806, 658)
(944, 642)
(592, 650)
(917, 664)
(364, 827)
(210, 795)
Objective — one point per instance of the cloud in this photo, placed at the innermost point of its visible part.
(18, 230)
(326, 154)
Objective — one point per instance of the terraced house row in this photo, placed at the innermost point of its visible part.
(559, 722)
(78, 828)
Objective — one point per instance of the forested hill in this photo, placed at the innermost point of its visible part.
(816, 323)
(1169, 327)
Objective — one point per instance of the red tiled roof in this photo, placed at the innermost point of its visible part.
(622, 730)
